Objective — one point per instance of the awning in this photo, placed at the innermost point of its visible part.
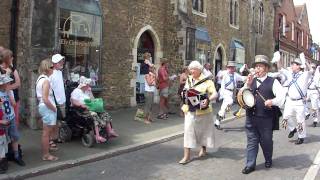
(83, 6)
(203, 35)
(236, 45)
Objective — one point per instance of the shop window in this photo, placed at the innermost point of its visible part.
(80, 41)
(190, 47)
(234, 13)
(198, 5)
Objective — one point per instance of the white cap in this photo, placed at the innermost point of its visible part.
(57, 58)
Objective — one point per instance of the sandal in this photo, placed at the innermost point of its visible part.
(52, 144)
(49, 158)
(100, 139)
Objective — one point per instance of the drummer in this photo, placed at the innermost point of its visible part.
(228, 90)
(259, 120)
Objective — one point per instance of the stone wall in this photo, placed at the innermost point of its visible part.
(5, 22)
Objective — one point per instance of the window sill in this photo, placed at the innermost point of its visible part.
(97, 89)
(199, 13)
(233, 26)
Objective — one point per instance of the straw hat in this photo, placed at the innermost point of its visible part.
(231, 64)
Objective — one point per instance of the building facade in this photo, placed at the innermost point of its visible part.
(292, 32)
(105, 40)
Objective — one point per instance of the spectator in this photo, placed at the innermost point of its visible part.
(182, 81)
(10, 69)
(163, 85)
(57, 85)
(47, 108)
(150, 88)
(207, 70)
(3, 142)
(78, 95)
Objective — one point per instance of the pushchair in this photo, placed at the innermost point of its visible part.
(80, 124)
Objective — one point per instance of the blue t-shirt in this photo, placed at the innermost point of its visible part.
(6, 106)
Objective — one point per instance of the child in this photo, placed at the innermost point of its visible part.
(8, 114)
(3, 142)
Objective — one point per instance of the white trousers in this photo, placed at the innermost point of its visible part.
(227, 101)
(295, 109)
(314, 105)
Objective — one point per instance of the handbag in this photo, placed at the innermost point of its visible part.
(59, 112)
(95, 105)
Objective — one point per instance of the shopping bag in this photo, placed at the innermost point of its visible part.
(139, 115)
(95, 105)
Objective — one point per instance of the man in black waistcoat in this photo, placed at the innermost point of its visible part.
(268, 94)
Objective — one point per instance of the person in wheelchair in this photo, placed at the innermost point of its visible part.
(100, 119)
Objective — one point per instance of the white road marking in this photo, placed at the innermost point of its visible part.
(314, 168)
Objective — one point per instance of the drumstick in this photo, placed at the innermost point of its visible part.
(264, 99)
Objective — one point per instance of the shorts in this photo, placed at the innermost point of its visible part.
(47, 115)
(3, 146)
(164, 92)
(13, 132)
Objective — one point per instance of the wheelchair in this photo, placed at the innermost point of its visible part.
(79, 124)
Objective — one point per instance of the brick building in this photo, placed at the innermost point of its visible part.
(105, 40)
(292, 31)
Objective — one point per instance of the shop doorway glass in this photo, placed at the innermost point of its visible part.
(80, 42)
(145, 44)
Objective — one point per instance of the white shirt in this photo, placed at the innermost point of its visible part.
(206, 72)
(314, 80)
(277, 90)
(56, 82)
(302, 82)
(225, 83)
(39, 85)
(220, 75)
(78, 95)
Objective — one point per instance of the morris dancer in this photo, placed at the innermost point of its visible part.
(260, 119)
(296, 99)
(313, 95)
(228, 90)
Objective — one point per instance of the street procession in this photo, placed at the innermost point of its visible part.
(160, 89)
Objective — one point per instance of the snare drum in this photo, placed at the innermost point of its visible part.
(245, 98)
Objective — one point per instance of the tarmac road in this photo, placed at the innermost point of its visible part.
(226, 161)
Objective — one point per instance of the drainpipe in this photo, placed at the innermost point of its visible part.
(13, 28)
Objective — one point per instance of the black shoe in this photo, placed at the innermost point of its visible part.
(217, 127)
(268, 164)
(291, 134)
(307, 116)
(247, 170)
(219, 117)
(19, 161)
(299, 141)
(315, 124)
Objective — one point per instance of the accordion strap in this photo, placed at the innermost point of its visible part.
(200, 82)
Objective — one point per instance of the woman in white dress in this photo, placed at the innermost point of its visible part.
(198, 125)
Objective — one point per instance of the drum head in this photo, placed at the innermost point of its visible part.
(248, 98)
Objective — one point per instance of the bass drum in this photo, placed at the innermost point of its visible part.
(245, 98)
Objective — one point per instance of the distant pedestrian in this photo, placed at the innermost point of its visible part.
(198, 124)
(47, 108)
(3, 142)
(150, 88)
(182, 82)
(207, 70)
(163, 85)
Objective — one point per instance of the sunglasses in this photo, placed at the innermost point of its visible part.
(51, 67)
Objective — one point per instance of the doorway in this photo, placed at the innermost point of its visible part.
(145, 44)
(218, 61)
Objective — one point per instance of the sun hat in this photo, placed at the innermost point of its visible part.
(84, 82)
(57, 58)
(231, 64)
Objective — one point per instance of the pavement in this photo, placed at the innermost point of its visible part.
(134, 135)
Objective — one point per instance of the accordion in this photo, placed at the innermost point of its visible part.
(194, 99)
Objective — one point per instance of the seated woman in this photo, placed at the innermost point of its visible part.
(78, 95)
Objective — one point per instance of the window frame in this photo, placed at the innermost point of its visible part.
(198, 11)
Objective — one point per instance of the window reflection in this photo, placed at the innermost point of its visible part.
(80, 40)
